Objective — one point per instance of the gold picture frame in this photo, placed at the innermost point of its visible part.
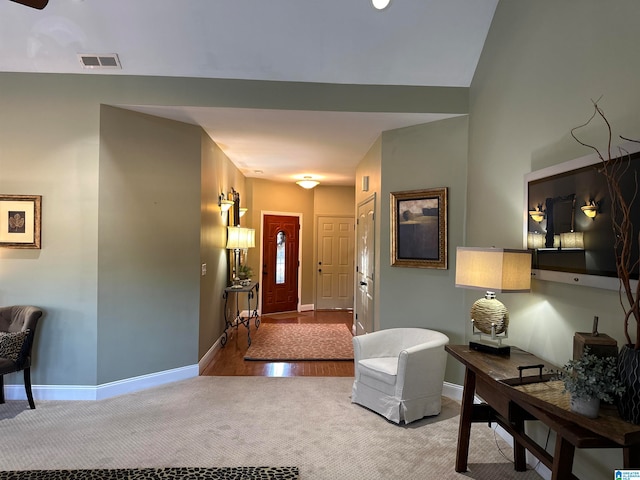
(419, 228)
(20, 220)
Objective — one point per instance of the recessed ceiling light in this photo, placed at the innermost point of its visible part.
(380, 4)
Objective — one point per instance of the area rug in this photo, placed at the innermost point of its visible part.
(300, 342)
(191, 473)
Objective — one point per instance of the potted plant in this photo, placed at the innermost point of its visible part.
(589, 380)
(244, 272)
(614, 167)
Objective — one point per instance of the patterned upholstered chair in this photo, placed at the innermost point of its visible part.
(17, 330)
(399, 372)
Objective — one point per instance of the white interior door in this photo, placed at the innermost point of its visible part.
(335, 242)
(365, 255)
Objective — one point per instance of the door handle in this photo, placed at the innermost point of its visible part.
(363, 283)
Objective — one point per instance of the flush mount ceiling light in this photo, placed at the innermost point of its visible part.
(380, 4)
(307, 182)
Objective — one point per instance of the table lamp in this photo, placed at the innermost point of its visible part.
(493, 270)
(239, 238)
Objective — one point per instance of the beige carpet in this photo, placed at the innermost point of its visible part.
(300, 342)
(308, 422)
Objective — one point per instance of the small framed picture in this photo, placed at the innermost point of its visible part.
(20, 221)
(419, 228)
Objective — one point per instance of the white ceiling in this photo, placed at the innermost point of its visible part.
(412, 42)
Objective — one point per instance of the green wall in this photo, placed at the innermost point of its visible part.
(541, 66)
(218, 175)
(148, 244)
(49, 146)
(425, 156)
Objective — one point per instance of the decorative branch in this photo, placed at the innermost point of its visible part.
(621, 221)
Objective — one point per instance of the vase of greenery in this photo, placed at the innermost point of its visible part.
(589, 380)
(615, 167)
(244, 272)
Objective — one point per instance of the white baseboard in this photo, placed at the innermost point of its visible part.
(105, 390)
(208, 357)
(307, 308)
(453, 391)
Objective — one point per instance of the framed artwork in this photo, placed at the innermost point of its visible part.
(20, 221)
(419, 228)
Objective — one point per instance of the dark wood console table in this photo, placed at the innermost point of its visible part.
(230, 320)
(514, 395)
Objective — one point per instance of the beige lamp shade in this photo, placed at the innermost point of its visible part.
(493, 270)
(572, 240)
(241, 237)
(535, 240)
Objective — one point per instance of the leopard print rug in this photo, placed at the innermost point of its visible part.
(225, 473)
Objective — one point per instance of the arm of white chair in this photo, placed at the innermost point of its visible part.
(420, 368)
(373, 345)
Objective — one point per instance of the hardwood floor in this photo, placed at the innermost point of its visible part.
(229, 360)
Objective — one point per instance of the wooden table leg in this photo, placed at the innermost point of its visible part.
(631, 456)
(466, 411)
(562, 459)
(519, 452)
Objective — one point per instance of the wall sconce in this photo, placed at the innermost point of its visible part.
(307, 182)
(590, 209)
(243, 211)
(224, 204)
(537, 215)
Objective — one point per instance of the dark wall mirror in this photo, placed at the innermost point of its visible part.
(568, 221)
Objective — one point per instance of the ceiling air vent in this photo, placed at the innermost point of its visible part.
(95, 61)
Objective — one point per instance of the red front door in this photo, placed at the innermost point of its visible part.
(280, 267)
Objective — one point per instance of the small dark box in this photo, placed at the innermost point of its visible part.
(601, 345)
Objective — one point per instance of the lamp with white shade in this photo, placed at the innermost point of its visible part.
(493, 270)
(239, 239)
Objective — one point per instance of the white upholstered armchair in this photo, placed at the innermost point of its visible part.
(399, 372)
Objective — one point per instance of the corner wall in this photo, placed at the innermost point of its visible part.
(148, 245)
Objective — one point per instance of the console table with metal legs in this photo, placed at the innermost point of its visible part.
(251, 292)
